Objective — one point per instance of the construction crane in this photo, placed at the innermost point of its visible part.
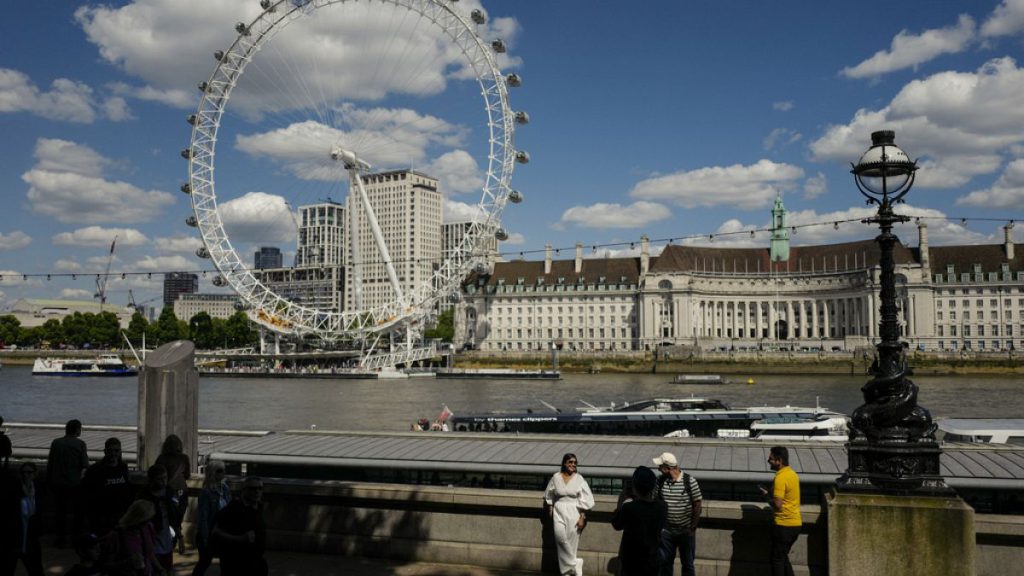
(101, 281)
(139, 307)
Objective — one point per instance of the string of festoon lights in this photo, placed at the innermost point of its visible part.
(522, 254)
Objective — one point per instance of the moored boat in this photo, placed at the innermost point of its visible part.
(103, 365)
(699, 379)
(982, 430)
(676, 417)
(500, 374)
(825, 427)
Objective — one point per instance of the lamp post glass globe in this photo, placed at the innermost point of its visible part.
(885, 171)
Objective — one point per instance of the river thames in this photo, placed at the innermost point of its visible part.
(391, 405)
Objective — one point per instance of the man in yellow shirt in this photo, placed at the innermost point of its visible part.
(785, 501)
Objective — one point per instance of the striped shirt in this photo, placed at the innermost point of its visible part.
(680, 508)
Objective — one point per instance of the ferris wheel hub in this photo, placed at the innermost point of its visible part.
(349, 158)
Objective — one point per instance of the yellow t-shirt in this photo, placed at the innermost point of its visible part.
(786, 487)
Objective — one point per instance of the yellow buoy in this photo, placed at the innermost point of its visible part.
(750, 381)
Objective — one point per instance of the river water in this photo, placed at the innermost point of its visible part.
(391, 405)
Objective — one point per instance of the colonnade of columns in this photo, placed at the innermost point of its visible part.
(796, 318)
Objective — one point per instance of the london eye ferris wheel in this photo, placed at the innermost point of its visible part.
(313, 97)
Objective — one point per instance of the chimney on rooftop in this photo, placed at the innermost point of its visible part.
(1008, 240)
(547, 259)
(579, 258)
(922, 242)
(645, 255)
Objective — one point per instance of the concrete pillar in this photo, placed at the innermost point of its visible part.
(789, 319)
(827, 321)
(168, 401)
(872, 328)
(814, 318)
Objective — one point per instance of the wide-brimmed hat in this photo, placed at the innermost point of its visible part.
(667, 459)
(140, 511)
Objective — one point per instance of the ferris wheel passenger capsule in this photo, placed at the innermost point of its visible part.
(478, 16)
(191, 221)
(186, 153)
(455, 297)
(191, 119)
(515, 196)
(264, 4)
(242, 29)
(202, 252)
(501, 234)
(522, 157)
(522, 117)
(219, 281)
(186, 188)
(203, 86)
(499, 46)
(218, 55)
(482, 269)
(514, 80)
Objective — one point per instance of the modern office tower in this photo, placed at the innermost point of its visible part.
(267, 257)
(322, 239)
(318, 278)
(452, 234)
(407, 205)
(176, 283)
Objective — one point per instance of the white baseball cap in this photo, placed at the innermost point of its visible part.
(667, 459)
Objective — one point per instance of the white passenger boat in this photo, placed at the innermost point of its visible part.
(699, 379)
(103, 365)
(982, 430)
(827, 427)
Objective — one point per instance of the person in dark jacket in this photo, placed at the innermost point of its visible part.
(240, 533)
(179, 469)
(216, 495)
(165, 515)
(21, 524)
(108, 489)
(641, 517)
(65, 465)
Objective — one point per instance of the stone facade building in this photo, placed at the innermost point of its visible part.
(781, 297)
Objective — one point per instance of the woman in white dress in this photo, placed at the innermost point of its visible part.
(568, 497)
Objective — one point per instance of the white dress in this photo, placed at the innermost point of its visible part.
(568, 499)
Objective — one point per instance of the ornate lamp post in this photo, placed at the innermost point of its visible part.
(892, 446)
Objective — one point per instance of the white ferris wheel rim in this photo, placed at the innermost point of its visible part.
(281, 314)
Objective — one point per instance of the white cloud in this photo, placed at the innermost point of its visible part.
(461, 212)
(604, 215)
(457, 171)
(66, 265)
(183, 244)
(515, 239)
(11, 278)
(1006, 19)
(14, 240)
(781, 137)
(165, 263)
(1006, 192)
(743, 187)
(67, 100)
(815, 186)
(3, 297)
(99, 236)
(348, 51)
(909, 50)
(76, 294)
(960, 123)
(66, 184)
(258, 217)
(783, 106)
(385, 138)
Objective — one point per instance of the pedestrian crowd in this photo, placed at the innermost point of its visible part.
(659, 515)
(117, 529)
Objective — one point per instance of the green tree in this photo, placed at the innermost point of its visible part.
(105, 330)
(9, 329)
(168, 328)
(30, 337)
(444, 328)
(200, 331)
(137, 327)
(52, 332)
(76, 328)
(238, 331)
(218, 334)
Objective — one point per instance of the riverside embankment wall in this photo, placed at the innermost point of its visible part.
(506, 529)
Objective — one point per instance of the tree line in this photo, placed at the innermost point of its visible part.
(103, 330)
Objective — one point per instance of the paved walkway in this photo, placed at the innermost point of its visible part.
(57, 561)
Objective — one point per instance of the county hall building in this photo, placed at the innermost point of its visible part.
(791, 297)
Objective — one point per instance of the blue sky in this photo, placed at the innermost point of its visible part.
(665, 118)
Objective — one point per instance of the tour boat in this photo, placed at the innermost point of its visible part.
(103, 365)
(499, 374)
(982, 430)
(824, 427)
(675, 417)
(699, 379)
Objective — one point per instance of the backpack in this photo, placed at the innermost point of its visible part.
(689, 494)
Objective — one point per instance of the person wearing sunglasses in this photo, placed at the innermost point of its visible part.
(567, 499)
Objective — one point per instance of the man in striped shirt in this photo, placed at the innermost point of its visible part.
(681, 493)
